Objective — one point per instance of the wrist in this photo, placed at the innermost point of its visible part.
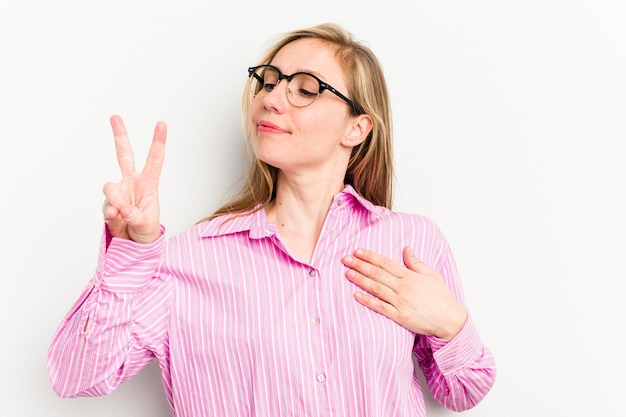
(455, 322)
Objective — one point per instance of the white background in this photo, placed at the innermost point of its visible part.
(510, 132)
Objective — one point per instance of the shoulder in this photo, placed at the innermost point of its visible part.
(418, 231)
(384, 217)
(417, 223)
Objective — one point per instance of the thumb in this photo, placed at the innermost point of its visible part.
(411, 261)
(131, 215)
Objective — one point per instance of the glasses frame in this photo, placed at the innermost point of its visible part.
(323, 85)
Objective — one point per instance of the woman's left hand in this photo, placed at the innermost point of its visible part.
(415, 296)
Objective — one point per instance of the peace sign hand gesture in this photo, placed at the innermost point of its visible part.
(131, 207)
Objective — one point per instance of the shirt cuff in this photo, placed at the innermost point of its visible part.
(459, 352)
(125, 265)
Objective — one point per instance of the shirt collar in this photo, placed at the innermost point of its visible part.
(256, 222)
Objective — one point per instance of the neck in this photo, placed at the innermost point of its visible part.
(307, 203)
(299, 211)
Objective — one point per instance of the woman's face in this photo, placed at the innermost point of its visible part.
(303, 139)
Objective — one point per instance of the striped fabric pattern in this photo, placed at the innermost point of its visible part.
(242, 327)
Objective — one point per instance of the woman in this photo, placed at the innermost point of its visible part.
(305, 294)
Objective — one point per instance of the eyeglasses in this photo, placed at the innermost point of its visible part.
(302, 88)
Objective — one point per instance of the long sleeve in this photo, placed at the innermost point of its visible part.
(241, 327)
(459, 372)
(117, 325)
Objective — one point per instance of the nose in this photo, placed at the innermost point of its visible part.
(277, 98)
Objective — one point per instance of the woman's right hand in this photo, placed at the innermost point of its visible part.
(131, 207)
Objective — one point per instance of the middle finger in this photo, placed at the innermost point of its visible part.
(125, 158)
(371, 271)
(382, 262)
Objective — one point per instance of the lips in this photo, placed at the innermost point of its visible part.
(267, 127)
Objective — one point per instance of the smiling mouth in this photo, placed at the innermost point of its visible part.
(267, 127)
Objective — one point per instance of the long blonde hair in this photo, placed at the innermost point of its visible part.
(370, 169)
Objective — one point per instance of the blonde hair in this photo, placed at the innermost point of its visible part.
(370, 169)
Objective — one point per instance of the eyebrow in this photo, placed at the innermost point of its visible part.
(317, 74)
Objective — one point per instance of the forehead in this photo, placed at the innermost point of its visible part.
(310, 55)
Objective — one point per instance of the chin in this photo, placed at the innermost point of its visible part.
(267, 159)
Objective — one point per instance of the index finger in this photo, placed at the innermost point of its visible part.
(124, 152)
(368, 262)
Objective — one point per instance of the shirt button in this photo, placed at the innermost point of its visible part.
(312, 273)
(329, 228)
(339, 202)
(321, 378)
(316, 320)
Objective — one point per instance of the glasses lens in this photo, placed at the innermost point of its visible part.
(264, 79)
(303, 90)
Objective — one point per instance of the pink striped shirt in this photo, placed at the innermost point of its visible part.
(242, 327)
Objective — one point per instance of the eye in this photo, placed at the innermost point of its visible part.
(306, 93)
(269, 86)
(305, 86)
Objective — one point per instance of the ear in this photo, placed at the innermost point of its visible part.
(357, 130)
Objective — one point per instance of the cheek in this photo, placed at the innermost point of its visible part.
(320, 123)
(255, 106)
(328, 126)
